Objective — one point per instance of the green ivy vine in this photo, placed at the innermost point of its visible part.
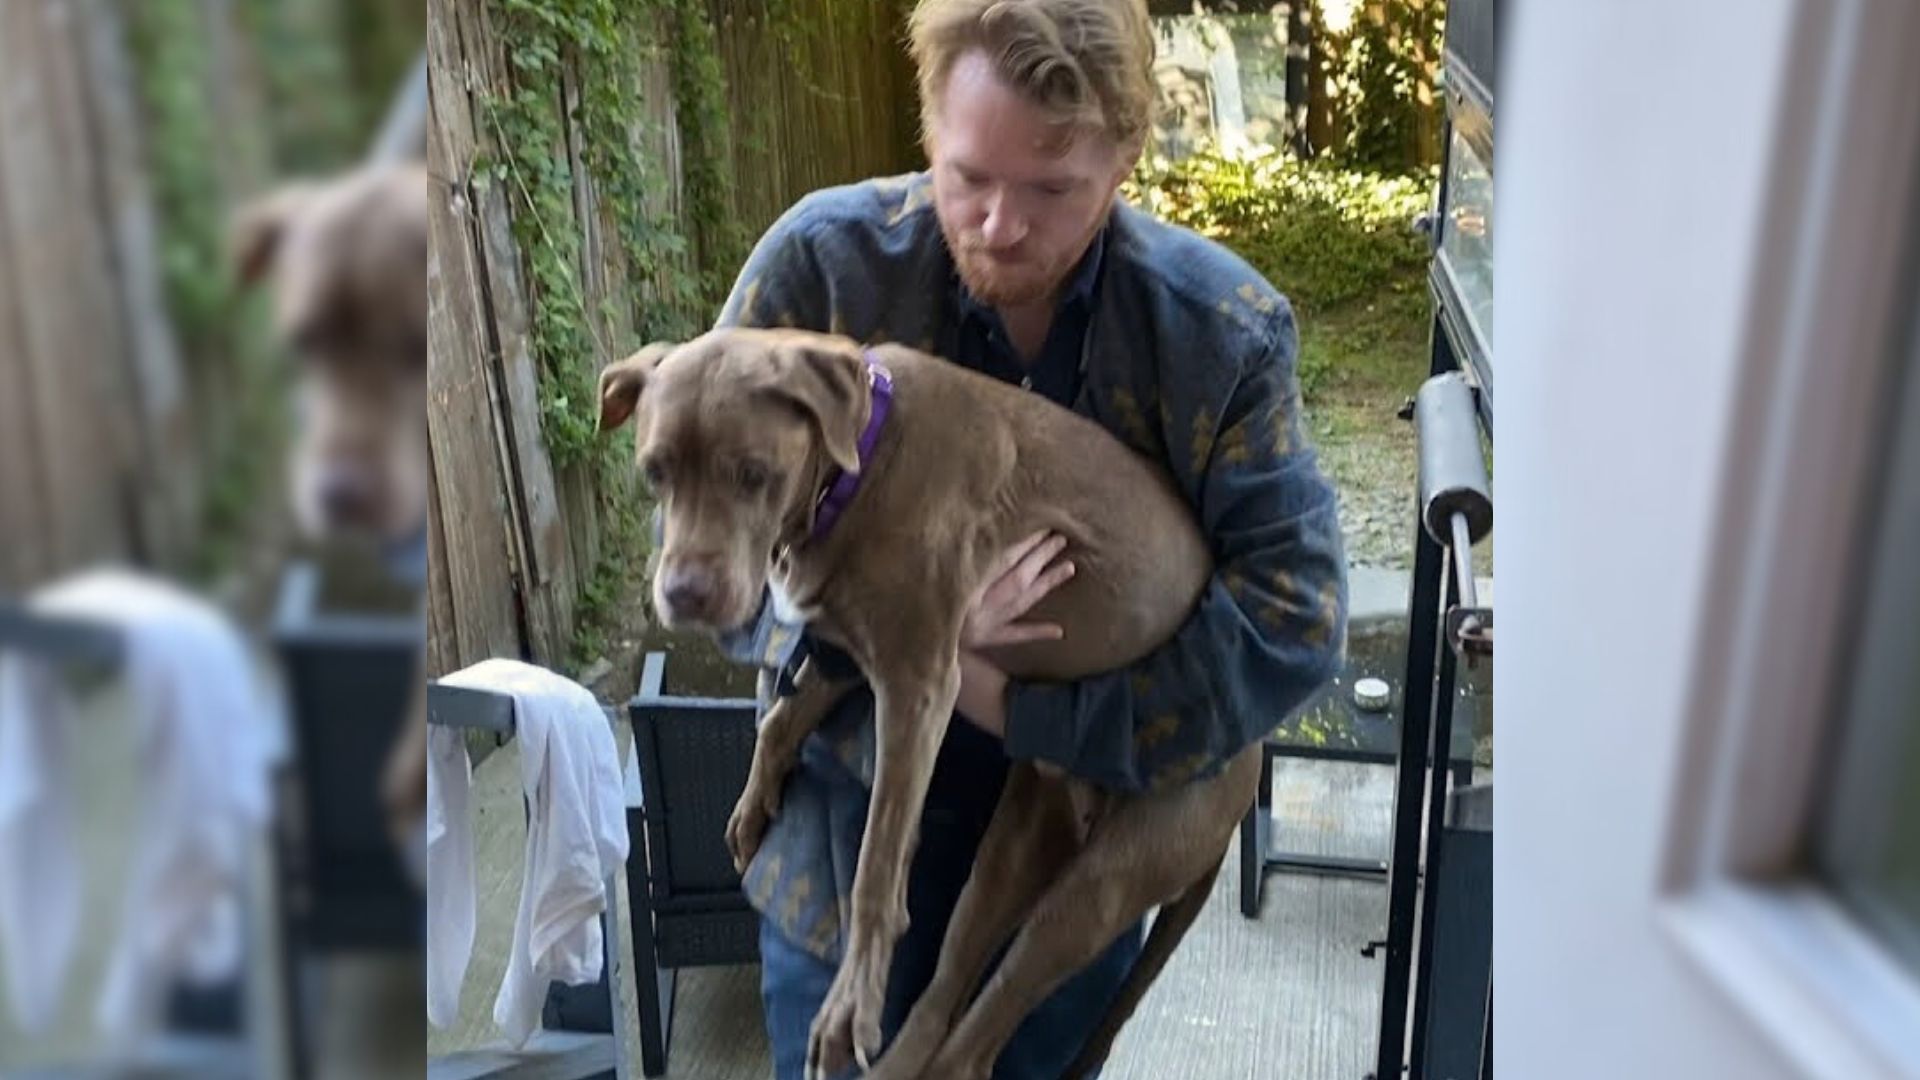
(675, 277)
(306, 79)
(238, 393)
(700, 89)
(170, 55)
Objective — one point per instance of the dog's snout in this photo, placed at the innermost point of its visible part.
(348, 496)
(691, 589)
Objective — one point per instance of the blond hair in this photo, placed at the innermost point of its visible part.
(1087, 62)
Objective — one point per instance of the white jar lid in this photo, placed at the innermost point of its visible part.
(1372, 695)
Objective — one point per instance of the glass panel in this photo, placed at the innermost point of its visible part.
(1466, 234)
(1868, 845)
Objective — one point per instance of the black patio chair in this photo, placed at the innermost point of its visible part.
(688, 766)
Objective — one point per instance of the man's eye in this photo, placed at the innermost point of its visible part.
(1054, 191)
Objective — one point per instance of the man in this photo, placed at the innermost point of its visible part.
(1013, 256)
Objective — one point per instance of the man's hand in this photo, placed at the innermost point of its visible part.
(983, 694)
(1023, 575)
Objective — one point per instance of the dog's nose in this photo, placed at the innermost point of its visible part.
(689, 590)
(347, 497)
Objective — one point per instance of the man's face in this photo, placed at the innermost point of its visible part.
(1017, 201)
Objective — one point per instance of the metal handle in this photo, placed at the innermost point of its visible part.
(1456, 503)
(1469, 625)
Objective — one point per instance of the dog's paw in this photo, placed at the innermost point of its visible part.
(913, 1048)
(747, 825)
(946, 1067)
(848, 1025)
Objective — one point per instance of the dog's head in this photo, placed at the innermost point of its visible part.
(347, 259)
(736, 432)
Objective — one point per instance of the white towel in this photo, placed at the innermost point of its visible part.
(450, 901)
(576, 835)
(206, 739)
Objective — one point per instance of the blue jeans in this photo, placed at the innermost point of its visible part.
(794, 982)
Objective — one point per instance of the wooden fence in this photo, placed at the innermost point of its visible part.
(94, 401)
(119, 419)
(515, 538)
(832, 100)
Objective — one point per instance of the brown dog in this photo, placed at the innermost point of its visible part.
(348, 259)
(348, 263)
(739, 431)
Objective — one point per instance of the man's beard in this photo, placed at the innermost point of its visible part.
(1000, 284)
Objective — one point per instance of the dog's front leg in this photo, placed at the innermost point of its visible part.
(775, 747)
(913, 702)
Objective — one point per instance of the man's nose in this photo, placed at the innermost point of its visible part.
(1005, 225)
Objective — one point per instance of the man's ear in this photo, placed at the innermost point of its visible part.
(829, 383)
(254, 235)
(622, 381)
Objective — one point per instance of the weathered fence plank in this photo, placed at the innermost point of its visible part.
(476, 561)
(160, 413)
(27, 554)
(50, 249)
(442, 627)
(548, 577)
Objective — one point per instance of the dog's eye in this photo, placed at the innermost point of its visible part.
(309, 339)
(654, 473)
(752, 477)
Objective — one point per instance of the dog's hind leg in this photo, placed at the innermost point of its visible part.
(775, 747)
(1148, 850)
(1170, 924)
(1033, 834)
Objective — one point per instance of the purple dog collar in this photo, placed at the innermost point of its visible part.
(839, 494)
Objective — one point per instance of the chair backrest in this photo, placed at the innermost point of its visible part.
(693, 754)
(349, 681)
(57, 637)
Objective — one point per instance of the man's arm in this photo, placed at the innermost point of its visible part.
(1268, 630)
(781, 284)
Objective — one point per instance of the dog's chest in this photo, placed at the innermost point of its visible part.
(786, 607)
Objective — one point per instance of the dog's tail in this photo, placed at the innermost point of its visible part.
(1169, 926)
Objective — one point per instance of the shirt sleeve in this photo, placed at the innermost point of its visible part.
(781, 284)
(1268, 630)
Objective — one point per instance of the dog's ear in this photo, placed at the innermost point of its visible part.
(622, 381)
(253, 237)
(829, 383)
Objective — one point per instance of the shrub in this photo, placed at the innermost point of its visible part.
(1323, 235)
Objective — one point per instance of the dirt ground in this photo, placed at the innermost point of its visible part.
(1359, 364)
